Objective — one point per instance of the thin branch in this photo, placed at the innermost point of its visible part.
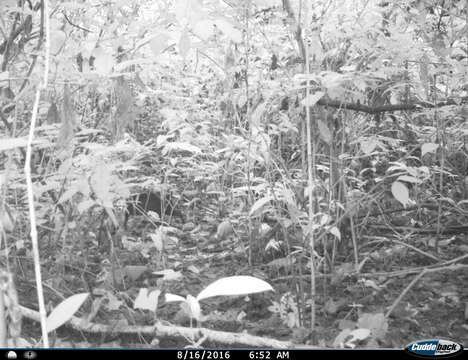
(427, 230)
(448, 265)
(388, 108)
(405, 272)
(35, 53)
(6, 45)
(297, 28)
(75, 25)
(27, 171)
(405, 291)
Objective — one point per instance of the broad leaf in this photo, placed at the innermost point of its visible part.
(341, 337)
(428, 147)
(368, 145)
(64, 311)
(234, 285)
(147, 301)
(325, 133)
(194, 307)
(224, 230)
(335, 231)
(104, 62)
(173, 298)
(401, 193)
(312, 99)
(408, 178)
(169, 275)
(359, 334)
(376, 323)
(259, 204)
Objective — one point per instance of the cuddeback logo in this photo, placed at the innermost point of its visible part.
(434, 348)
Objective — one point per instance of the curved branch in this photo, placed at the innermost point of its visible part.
(73, 24)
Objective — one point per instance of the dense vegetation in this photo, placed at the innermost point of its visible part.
(320, 146)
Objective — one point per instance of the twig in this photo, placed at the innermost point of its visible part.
(429, 269)
(455, 260)
(411, 247)
(415, 230)
(405, 291)
(415, 270)
(75, 25)
(35, 53)
(297, 29)
(6, 45)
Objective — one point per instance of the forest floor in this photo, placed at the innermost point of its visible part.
(436, 306)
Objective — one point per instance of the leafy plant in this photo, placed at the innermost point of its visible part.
(228, 286)
(287, 310)
(369, 327)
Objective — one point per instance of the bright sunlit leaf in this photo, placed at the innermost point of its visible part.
(173, 298)
(64, 311)
(234, 285)
(312, 99)
(401, 193)
(428, 147)
(147, 301)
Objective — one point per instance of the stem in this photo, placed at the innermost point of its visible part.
(27, 171)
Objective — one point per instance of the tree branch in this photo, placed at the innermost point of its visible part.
(388, 108)
(297, 28)
(160, 330)
(75, 25)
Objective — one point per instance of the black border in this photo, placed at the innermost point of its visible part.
(209, 354)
